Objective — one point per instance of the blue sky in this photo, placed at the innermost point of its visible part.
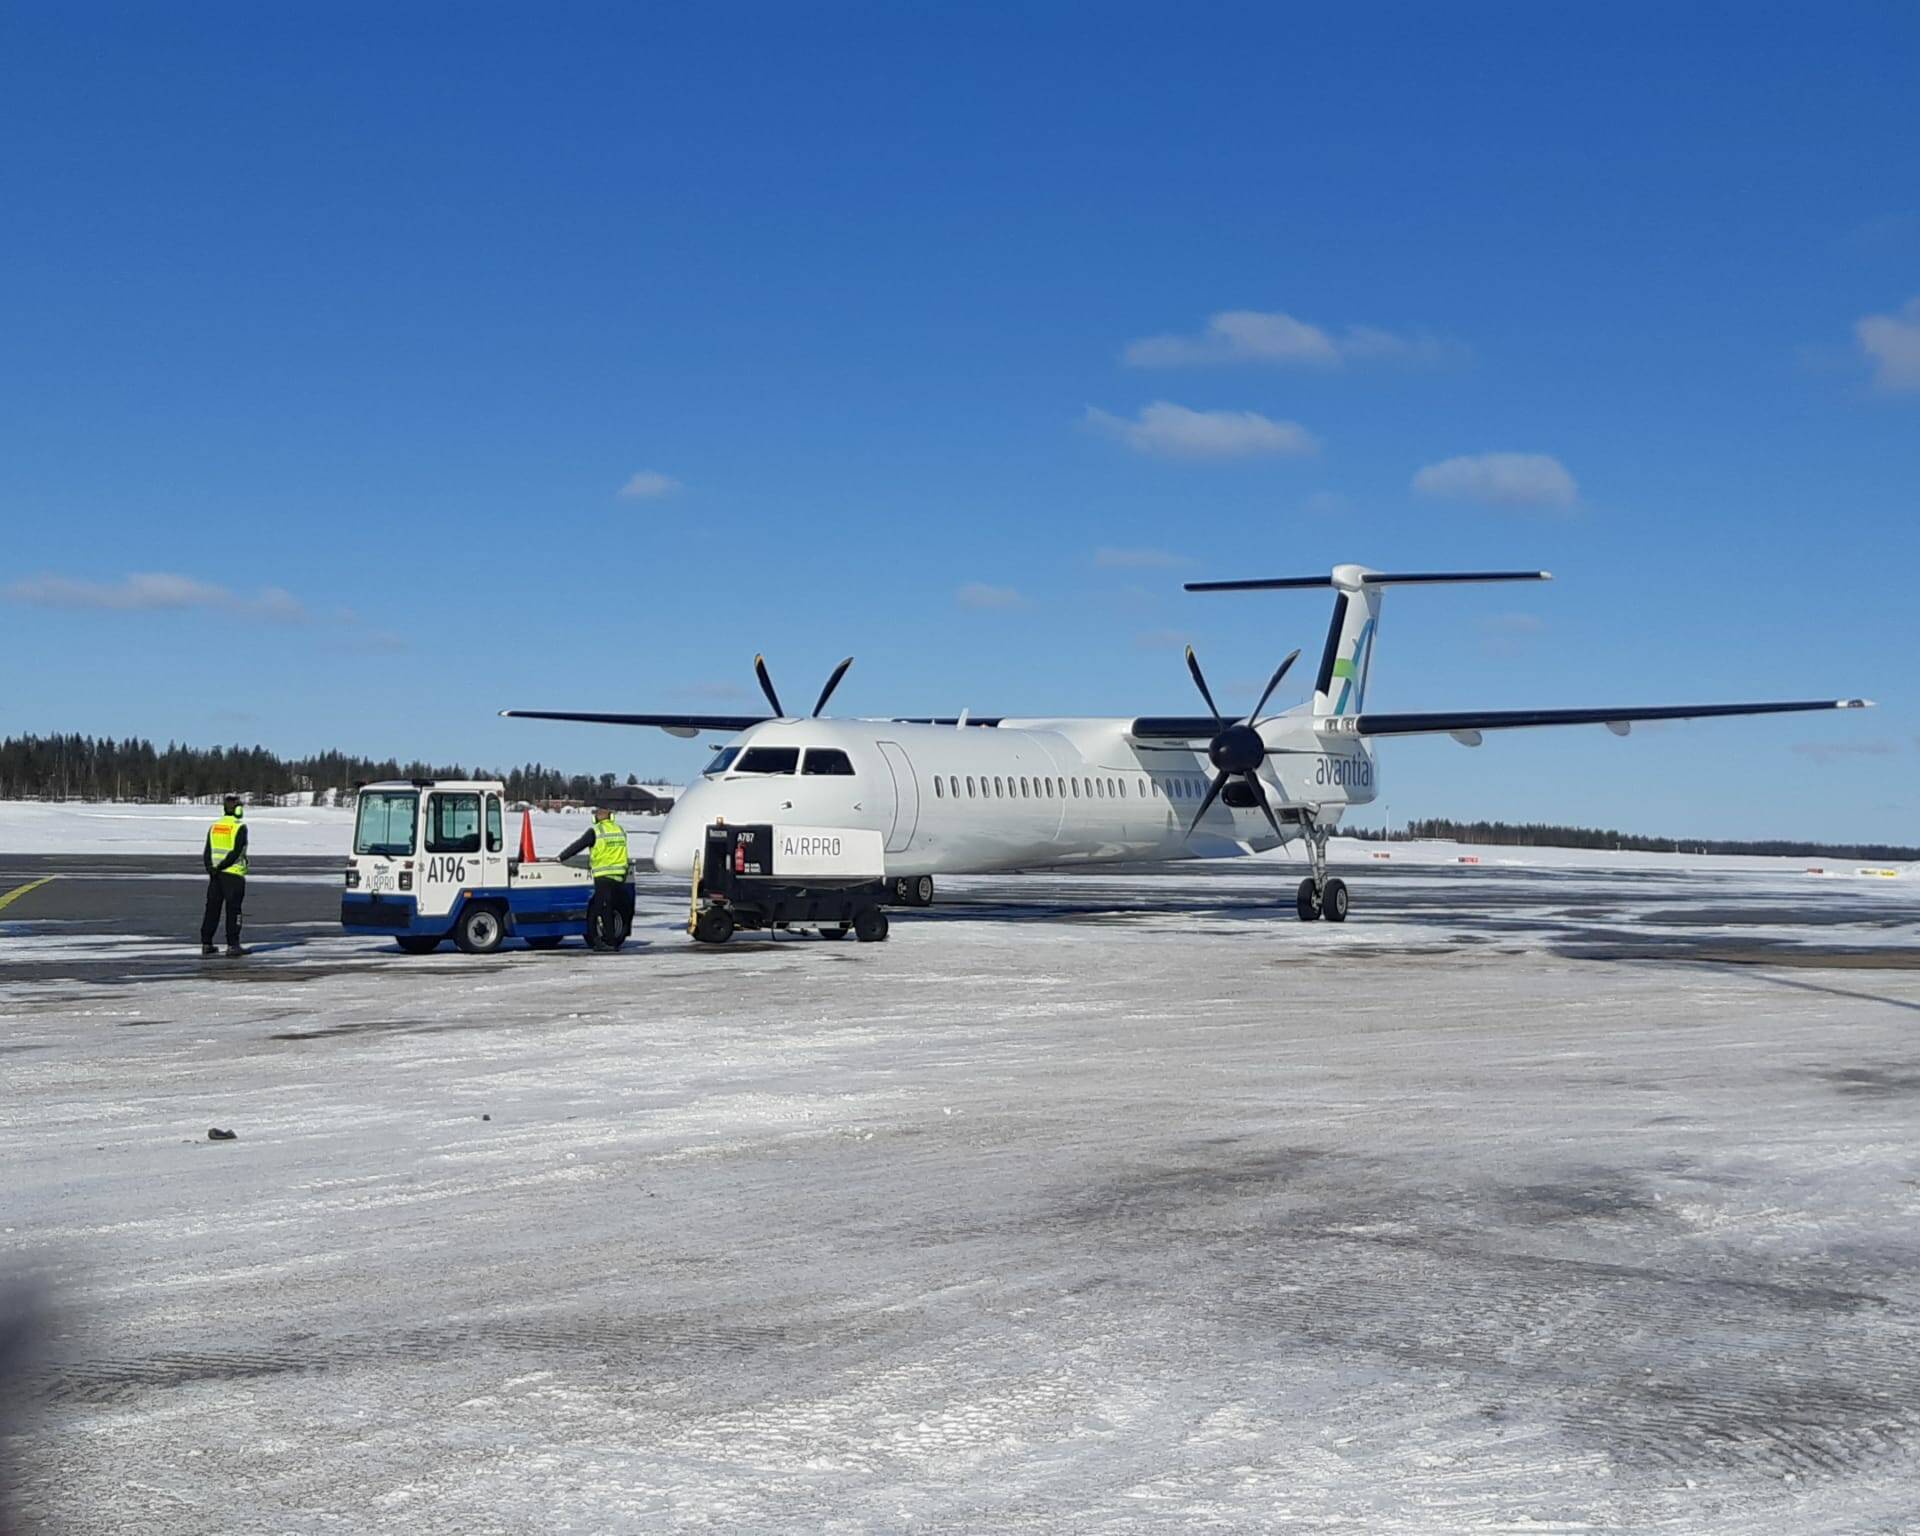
(331, 337)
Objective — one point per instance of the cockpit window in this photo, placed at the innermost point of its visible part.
(768, 760)
(722, 761)
(828, 760)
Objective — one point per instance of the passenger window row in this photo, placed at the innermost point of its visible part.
(953, 786)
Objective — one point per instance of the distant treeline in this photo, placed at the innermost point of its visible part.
(100, 768)
(1534, 834)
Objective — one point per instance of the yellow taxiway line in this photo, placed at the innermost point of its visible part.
(20, 890)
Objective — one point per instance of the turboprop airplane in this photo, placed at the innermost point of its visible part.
(975, 795)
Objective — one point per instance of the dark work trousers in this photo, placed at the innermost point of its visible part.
(228, 891)
(609, 914)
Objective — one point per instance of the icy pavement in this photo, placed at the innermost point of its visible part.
(1527, 1201)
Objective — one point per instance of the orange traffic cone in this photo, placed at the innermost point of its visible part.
(526, 837)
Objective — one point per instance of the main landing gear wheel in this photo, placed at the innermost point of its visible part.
(713, 926)
(416, 943)
(479, 930)
(1318, 896)
(1333, 902)
(923, 891)
(870, 927)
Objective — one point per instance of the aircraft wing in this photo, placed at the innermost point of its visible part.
(691, 725)
(1442, 722)
(677, 725)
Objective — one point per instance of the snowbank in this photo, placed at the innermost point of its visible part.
(1355, 850)
(75, 826)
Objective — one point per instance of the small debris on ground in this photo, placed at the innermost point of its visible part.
(214, 1133)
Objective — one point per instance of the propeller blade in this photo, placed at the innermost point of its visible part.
(832, 683)
(1219, 783)
(1273, 683)
(1260, 793)
(1193, 666)
(766, 685)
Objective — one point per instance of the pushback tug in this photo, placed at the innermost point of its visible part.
(430, 863)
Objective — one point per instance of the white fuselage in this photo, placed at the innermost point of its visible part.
(1023, 793)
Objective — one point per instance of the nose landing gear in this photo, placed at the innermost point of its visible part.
(913, 891)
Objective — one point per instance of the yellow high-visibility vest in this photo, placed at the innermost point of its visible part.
(225, 831)
(609, 850)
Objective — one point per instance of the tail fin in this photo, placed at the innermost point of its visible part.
(1341, 687)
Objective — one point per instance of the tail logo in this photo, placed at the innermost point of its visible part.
(1353, 671)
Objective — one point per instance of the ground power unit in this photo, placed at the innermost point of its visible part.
(832, 879)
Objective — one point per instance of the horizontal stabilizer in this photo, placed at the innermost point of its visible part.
(1447, 721)
(1365, 579)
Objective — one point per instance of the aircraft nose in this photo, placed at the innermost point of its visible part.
(678, 839)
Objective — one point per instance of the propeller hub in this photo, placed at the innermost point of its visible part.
(1237, 749)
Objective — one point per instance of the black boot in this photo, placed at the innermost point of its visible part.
(207, 949)
(235, 949)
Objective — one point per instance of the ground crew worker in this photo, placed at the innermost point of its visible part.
(610, 912)
(225, 857)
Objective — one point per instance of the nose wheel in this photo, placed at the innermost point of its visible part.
(916, 891)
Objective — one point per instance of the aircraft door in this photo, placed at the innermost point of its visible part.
(906, 796)
(493, 844)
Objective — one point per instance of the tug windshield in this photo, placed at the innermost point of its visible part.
(384, 826)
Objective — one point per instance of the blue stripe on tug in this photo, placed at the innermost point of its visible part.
(540, 913)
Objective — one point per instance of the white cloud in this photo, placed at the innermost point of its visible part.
(649, 485)
(1536, 480)
(1177, 432)
(157, 592)
(977, 594)
(1260, 336)
(1893, 342)
(1107, 558)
